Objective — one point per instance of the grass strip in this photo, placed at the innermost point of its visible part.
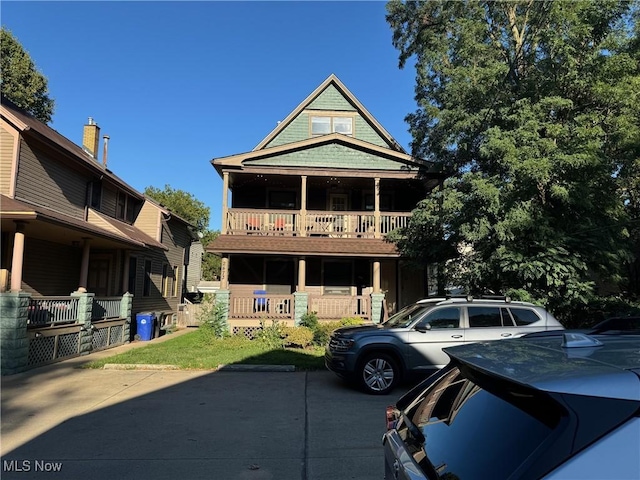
(197, 351)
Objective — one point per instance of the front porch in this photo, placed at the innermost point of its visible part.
(35, 331)
(333, 224)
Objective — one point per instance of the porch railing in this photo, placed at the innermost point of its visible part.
(313, 223)
(261, 305)
(52, 311)
(63, 310)
(336, 307)
(103, 308)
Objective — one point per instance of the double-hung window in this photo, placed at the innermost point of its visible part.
(323, 125)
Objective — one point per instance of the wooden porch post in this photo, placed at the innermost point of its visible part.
(376, 210)
(225, 199)
(303, 207)
(302, 274)
(84, 267)
(224, 273)
(376, 276)
(125, 271)
(18, 257)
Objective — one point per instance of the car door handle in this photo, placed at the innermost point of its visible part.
(505, 334)
(456, 336)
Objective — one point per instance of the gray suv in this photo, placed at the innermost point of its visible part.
(378, 356)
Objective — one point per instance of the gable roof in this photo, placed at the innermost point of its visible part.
(332, 80)
(333, 138)
(29, 125)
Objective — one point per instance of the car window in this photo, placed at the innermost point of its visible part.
(484, 317)
(524, 316)
(507, 321)
(442, 318)
(472, 432)
(407, 315)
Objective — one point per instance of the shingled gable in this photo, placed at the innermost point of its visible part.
(385, 154)
(332, 82)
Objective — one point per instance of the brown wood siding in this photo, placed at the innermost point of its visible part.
(59, 188)
(175, 238)
(155, 302)
(7, 146)
(109, 201)
(50, 268)
(147, 220)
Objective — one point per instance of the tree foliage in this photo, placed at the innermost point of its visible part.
(20, 80)
(532, 109)
(185, 205)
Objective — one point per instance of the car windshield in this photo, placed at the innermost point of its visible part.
(406, 316)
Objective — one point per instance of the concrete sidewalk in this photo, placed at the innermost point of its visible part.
(65, 422)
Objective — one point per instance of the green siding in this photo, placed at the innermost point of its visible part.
(331, 99)
(330, 156)
(364, 132)
(297, 130)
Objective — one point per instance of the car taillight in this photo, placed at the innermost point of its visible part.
(392, 417)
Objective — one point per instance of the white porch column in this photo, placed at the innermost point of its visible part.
(376, 276)
(84, 267)
(225, 199)
(18, 257)
(303, 206)
(224, 273)
(302, 274)
(376, 210)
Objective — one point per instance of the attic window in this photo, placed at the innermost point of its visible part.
(325, 125)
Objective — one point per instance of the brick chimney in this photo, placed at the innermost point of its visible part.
(91, 138)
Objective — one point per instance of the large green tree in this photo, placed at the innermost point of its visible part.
(532, 110)
(195, 212)
(20, 80)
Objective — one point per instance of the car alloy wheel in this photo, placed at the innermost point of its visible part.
(379, 374)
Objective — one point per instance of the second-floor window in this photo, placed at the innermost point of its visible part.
(125, 207)
(323, 125)
(96, 194)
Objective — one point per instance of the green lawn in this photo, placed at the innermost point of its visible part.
(194, 351)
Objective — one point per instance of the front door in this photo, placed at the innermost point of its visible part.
(98, 278)
(338, 202)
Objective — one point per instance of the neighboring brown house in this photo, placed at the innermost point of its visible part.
(310, 208)
(70, 224)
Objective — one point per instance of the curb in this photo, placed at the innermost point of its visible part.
(221, 368)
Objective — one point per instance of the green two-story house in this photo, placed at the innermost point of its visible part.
(306, 212)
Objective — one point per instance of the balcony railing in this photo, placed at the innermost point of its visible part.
(314, 223)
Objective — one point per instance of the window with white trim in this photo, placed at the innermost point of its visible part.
(323, 125)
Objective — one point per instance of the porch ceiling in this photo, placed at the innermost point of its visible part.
(294, 246)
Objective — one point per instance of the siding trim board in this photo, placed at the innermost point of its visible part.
(240, 159)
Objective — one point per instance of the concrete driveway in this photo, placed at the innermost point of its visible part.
(69, 423)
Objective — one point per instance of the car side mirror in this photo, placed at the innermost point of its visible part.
(423, 328)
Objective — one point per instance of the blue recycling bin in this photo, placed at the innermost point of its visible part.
(145, 323)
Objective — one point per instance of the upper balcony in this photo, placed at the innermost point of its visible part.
(335, 224)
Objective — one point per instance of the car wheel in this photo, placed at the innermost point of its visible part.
(379, 374)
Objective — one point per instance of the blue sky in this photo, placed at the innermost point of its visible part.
(176, 84)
